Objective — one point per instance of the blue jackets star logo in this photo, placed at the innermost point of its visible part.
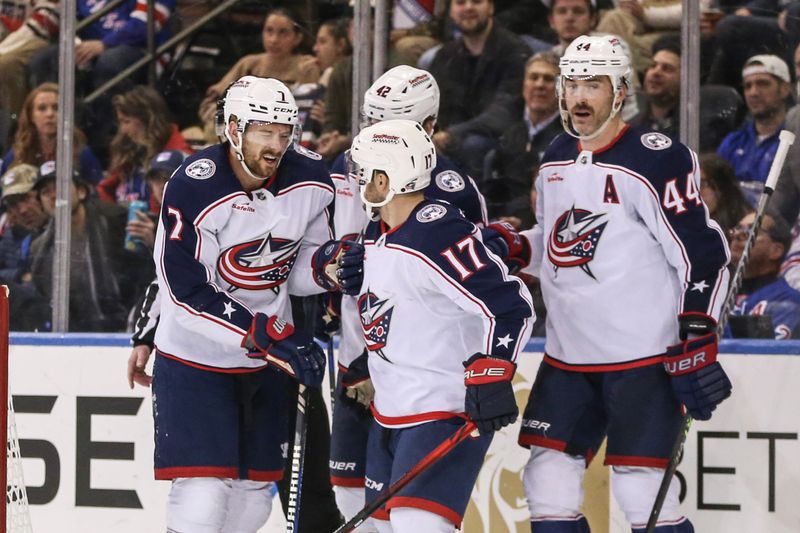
(376, 317)
(573, 240)
(257, 265)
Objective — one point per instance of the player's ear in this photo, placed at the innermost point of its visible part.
(233, 133)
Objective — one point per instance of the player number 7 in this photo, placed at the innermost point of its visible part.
(463, 271)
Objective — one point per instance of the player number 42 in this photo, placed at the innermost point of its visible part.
(675, 201)
(467, 244)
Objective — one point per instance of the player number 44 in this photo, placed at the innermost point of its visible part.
(675, 201)
(467, 244)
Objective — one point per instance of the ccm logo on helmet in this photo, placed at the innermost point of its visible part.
(284, 110)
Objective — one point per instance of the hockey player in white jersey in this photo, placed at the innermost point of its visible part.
(633, 276)
(433, 303)
(243, 224)
(402, 92)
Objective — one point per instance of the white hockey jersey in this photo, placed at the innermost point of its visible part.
(448, 183)
(222, 254)
(432, 297)
(622, 246)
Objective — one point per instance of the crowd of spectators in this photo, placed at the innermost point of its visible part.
(496, 63)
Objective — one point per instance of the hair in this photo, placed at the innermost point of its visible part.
(779, 231)
(670, 42)
(546, 57)
(731, 203)
(27, 148)
(149, 107)
(551, 4)
(340, 29)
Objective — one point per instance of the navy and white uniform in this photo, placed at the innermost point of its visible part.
(432, 296)
(221, 255)
(350, 422)
(624, 244)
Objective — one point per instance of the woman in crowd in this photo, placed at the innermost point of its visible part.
(282, 37)
(720, 191)
(36, 137)
(332, 44)
(144, 130)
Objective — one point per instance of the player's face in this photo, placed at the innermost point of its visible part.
(571, 19)
(539, 88)
(375, 190)
(279, 36)
(44, 113)
(765, 95)
(471, 17)
(662, 82)
(264, 145)
(589, 103)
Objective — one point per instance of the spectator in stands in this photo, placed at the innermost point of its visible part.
(523, 144)
(786, 199)
(25, 220)
(751, 149)
(17, 49)
(640, 23)
(480, 73)
(332, 44)
(571, 19)
(720, 192)
(36, 137)
(662, 89)
(282, 36)
(144, 130)
(106, 48)
(764, 292)
(105, 277)
(757, 27)
(161, 168)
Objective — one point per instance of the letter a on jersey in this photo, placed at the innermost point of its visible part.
(610, 193)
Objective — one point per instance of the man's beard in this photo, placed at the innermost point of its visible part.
(479, 28)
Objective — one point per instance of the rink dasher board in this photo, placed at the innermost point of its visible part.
(88, 444)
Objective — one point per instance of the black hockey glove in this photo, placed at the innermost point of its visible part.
(698, 380)
(295, 353)
(356, 382)
(502, 239)
(490, 400)
(339, 265)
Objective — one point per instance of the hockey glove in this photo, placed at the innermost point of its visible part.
(339, 265)
(697, 378)
(356, 381)
(490, 400)
(295, 353)
(504, 241)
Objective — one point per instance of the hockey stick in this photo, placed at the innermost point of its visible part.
(331, 372)
(298, 456)
(786, 139)
(437, 453)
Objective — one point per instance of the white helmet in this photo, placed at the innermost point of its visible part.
(254, 99)
(589, 56)
(399, 148)
(402, 92)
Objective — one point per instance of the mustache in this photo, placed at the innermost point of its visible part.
(581, 107)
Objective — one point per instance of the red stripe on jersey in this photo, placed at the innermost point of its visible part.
(219, 370)
(425, 505)
(419, 418)
(542, 442)
(196, 471)
(356, 482)
(264, 475)
(306, 184)
(635, 460)
(610, 367)
(609, 145)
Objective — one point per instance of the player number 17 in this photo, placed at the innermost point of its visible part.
(462, 269)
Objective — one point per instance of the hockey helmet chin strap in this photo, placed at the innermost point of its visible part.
(566, 122)
(363, 190)
(237, 149)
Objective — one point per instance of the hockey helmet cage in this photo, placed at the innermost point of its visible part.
(399, 148)
(402, 92)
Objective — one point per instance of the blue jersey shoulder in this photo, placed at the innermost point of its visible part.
(649, 154)
(202, 179)
(563, 148)
(300, 165)
(453, 185)
(432, 227)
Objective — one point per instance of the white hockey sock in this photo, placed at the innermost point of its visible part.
(249, 506)
(350, 501)
(552, 481)
(198, 504)
(412, 520)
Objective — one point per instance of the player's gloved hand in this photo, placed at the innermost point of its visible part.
(276, 341)
(356, 381)
(490, 400)
(339, 265)
(502, 239)
(698, 380)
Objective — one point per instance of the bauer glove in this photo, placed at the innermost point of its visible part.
(503, 240)
(490, 400)
(276, 341)
(356, 382)
(698, 380)
(339, 265)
